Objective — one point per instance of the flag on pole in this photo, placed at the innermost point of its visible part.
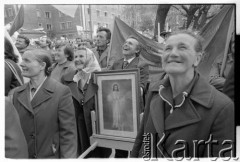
(18, 21)
(151, 52)
(217, 34)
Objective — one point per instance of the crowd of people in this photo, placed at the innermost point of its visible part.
(48, 115)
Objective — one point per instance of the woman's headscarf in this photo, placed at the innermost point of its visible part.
(91, 65)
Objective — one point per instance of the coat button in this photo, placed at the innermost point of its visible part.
(32, 136)
(35, 156)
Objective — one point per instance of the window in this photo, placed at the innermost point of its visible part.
(60, 14)
(88, 11)
(98, 13)
(49, 27)
(63, 26)
(105, 13)
(10, 12)
(39, 25)
(69, 24)
(5, 13)
(89, 24)
(48, 15)
(38, 13)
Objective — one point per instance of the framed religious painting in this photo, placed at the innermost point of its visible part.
(117, 103)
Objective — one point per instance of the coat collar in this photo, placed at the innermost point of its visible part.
(132, 64)
(23, 97)
(201, 92)
(43, 94)
(91, 89)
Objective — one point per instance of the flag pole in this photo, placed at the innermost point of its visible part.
(108, 56)
(159, 32)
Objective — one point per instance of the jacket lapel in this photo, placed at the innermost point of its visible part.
(24, 97)
(91, 91)
(185, 115)
(68, 80)
(133, 63)
(44, 93)
(104, 54)
(157, 113)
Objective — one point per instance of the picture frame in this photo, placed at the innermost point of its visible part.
(117, 104)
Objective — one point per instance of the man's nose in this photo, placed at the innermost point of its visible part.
(174, 52)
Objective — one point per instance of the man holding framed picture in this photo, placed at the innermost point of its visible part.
(131, 50)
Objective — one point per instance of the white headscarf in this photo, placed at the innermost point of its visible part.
(91, 66)
(92, 62)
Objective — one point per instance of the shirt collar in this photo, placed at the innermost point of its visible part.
(36, 87)
(129, 60)
(102, 48)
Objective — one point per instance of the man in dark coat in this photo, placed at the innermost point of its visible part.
(184, 115)
(131, 50)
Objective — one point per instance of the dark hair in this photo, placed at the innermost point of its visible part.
(27, 41)
(49, 43)
(43, 56)
(198, 45)
(68, 50)
(8, 51)
(108, 36)
(114, 86)
(139, 46)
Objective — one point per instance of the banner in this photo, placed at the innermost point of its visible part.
(150, 54)
(18, 21)
(151, 51)
(217, 34)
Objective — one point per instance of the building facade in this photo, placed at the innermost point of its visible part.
(57, 23)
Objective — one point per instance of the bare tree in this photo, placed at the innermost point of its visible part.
(162, 12)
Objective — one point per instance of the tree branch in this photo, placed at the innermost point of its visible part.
(184, 14)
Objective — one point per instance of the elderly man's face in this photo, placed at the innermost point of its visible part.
(20, 43)
(179, 55)
(130, 47)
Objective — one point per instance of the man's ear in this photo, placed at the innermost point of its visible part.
(198, 59)
(43, 65)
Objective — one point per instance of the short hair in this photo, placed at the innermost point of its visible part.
(43, 56)
(106, 30)
(8, 51)
(199, 40)
(27, 41)
(68, 50)
(139, 46)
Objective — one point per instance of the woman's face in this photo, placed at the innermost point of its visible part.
(179, 55)
(80, 59)
(59, 55)
(31, 67)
